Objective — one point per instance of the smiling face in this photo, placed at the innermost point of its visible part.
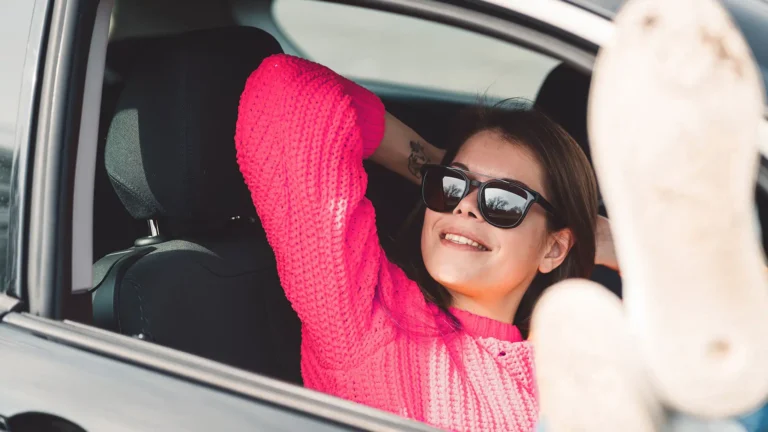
(487, 269)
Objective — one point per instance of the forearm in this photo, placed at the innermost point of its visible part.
(403, 151)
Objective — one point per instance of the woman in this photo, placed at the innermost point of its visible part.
(515, 208)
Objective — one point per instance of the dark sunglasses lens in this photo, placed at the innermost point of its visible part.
(504, 204)
(442, 189)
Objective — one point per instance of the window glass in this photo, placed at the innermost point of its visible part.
(15, 22)
(383, 47)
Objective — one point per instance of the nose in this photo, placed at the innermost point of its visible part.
(468, 206)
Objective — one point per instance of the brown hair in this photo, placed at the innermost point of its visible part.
(570, 186)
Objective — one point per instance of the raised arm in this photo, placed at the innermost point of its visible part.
(403, 151)
(301, 136)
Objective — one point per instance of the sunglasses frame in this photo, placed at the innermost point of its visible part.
(532, 198)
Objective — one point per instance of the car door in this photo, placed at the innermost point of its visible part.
(63, 376)
(55, 368)
(59, 374)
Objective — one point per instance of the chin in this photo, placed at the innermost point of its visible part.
(453, 277)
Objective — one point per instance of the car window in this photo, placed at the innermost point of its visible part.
(15, 22)
(383, 47)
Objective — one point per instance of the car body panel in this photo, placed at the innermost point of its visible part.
(99, 393)
(210, 374)
(751, 16)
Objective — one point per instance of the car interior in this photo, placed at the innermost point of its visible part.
(180, 257)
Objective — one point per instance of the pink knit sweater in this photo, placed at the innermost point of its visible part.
(368, 335)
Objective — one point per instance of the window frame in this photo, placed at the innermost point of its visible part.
(464, 93)
(51, 239)
(49, 255)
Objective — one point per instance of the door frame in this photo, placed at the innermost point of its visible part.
(59, 137)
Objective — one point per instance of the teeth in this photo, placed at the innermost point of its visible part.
(463, 240)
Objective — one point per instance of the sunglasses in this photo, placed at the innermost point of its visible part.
(502, 203)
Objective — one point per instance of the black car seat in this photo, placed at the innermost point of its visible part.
(563, 97)
(204, 280)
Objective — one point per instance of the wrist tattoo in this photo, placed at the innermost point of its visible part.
(417, 159)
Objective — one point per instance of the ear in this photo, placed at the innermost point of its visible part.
(558, 245)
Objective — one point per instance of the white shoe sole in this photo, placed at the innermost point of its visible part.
(675, 108)
(589, 375)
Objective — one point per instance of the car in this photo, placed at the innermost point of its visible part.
(139, 292)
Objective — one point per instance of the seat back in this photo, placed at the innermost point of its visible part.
(563, 97)
(206, 283)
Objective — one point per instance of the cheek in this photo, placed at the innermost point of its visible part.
(514, 264)
(447, 267)
(522, 247)
(427, 242)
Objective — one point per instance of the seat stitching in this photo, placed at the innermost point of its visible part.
(143, 319)
(136, 195)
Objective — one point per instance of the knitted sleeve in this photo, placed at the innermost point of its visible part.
(301, 136)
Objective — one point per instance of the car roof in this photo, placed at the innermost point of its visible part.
(609, 8)
(751, 16)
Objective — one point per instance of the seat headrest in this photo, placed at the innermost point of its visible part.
(563, 97)
(170, 149)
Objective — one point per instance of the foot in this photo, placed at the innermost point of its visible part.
(675, 110)
(588, 371)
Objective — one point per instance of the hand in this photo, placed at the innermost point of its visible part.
(605, 253)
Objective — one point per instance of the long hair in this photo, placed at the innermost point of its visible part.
(569, 183)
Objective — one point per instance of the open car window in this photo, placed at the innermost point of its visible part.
(383, 47)
(160, 260)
